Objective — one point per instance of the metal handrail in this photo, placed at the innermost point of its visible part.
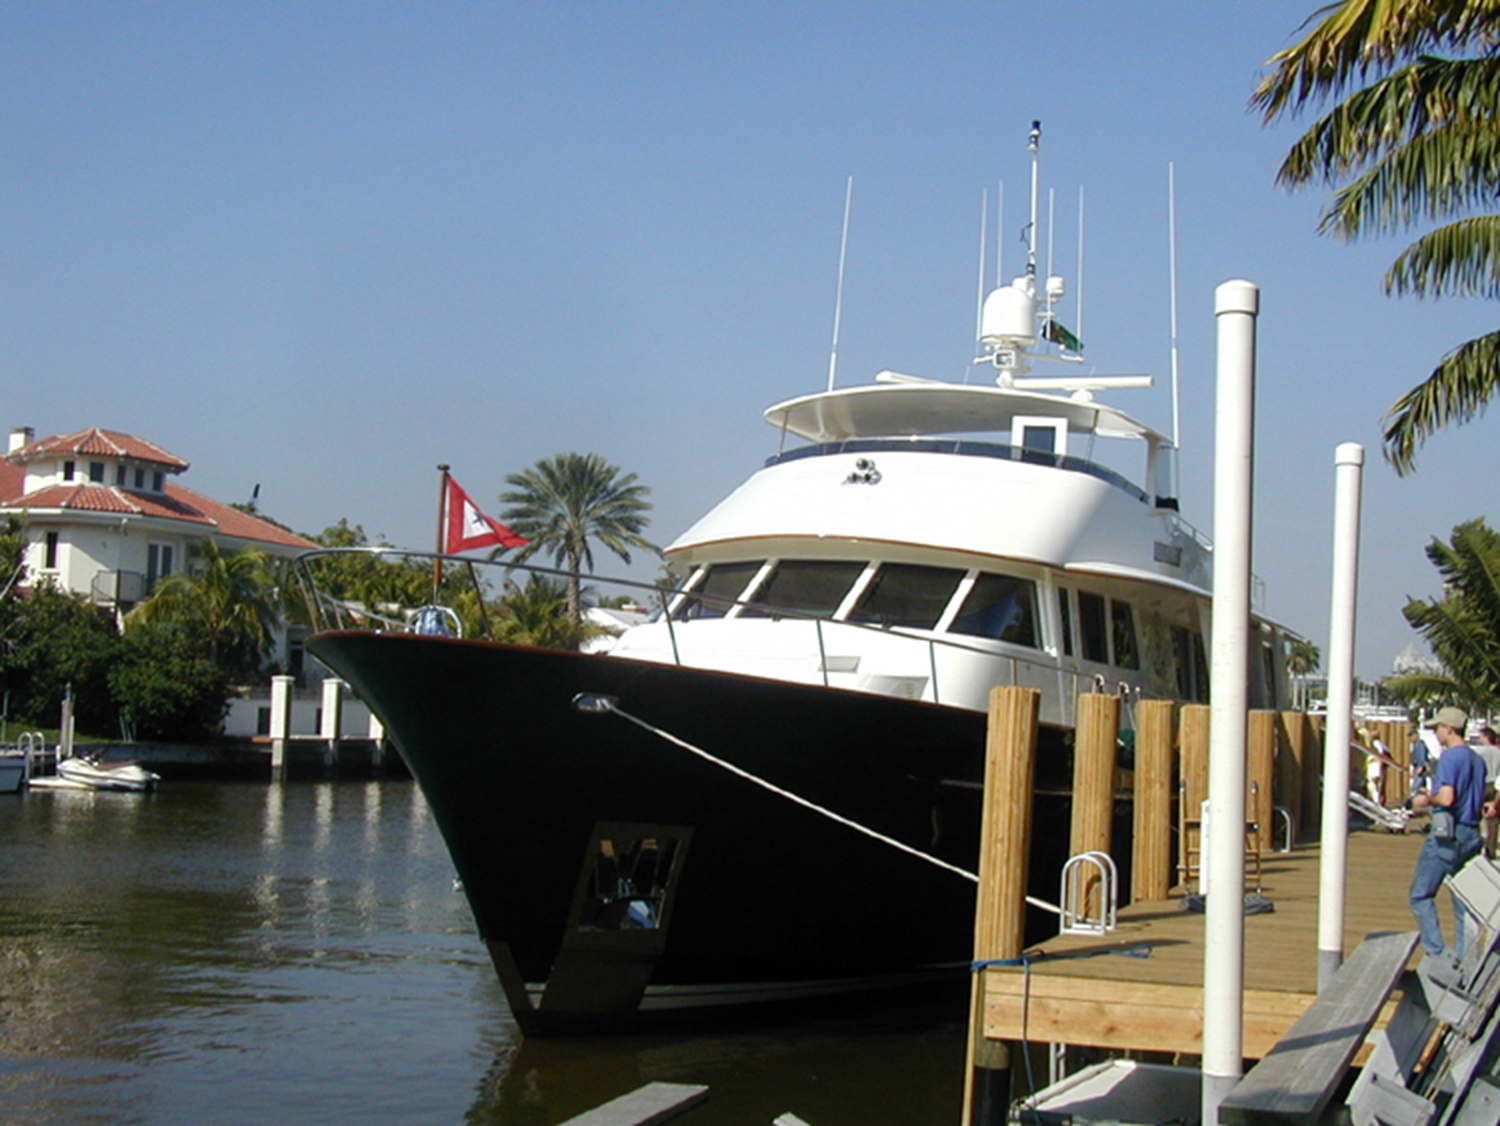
(330, 613)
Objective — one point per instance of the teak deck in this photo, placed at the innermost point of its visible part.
(1155, 1003)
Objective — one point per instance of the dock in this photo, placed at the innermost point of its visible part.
(1139, 989)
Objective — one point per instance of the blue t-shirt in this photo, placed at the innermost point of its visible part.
(1462, 769)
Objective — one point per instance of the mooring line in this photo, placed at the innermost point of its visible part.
(604, 703)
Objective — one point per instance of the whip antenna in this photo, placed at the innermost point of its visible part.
(838, 303)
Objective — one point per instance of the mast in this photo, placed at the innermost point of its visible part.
(442, 523)
(838, 303)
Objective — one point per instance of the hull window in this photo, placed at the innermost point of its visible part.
(804, 586)
(1093, 627)
(903, 594)
(1002, 608)
(715, 594)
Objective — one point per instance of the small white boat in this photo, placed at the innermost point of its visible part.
(87, 773)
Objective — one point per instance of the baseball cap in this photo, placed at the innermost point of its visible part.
(1456, 718)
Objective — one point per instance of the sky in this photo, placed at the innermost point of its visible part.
(322, 248)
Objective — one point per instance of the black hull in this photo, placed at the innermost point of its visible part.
(766, 891)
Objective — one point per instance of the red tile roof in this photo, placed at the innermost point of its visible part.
(208, 516)
(99, 443)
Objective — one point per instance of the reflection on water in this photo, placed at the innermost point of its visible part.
(243, 953)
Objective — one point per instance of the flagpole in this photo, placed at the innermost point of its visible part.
(442, 521)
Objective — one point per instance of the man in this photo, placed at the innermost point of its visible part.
(1457, 790)
(1488, 749)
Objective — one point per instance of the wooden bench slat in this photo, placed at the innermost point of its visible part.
(651, 1105)
(1296, 1079)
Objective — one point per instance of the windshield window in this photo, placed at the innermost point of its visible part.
(903, 594)
(805, 586)
(1000, 607)
(714, 596)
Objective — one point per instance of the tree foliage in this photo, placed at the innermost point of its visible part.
(1463, 626)
(50, 643)
(164, 686)
(1414, 140)
(228, 604)
(565, 503)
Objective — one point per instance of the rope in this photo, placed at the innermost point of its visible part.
(606, 704)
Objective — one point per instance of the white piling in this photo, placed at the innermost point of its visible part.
(331, 718)
(1237, 304)
(1349, 460)
(281, 720)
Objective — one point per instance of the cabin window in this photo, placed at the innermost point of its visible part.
(904, 594)
(1065, 614)
(1122, 621)
(814, 587)
(96, 472)
(1092, 627)
(1000, 607)
(1192, 664)
(714, 595)
(49, 561)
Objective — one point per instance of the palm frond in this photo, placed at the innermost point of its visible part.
(1456, 391)
(1460, 259)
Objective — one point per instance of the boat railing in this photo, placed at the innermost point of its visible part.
(331, 609)
(965, 447)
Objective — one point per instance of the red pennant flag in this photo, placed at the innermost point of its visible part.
(469, 528)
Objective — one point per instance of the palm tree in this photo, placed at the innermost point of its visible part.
(1302, 660)
(564, 502)
(1463, 627)
(228, 603)
(1414, 141)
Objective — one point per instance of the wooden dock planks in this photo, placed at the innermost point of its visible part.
(1085, 992)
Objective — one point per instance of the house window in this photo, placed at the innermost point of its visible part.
(158, 481)
(96, 472)
(50, 561)
(140, 478)
(158, 563)
(119, 475)
(68, 470)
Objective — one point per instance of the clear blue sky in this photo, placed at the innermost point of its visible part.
(323, 247)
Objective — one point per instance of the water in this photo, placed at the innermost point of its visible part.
(244, 953)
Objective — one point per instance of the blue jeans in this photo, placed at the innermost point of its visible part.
(1437, 860)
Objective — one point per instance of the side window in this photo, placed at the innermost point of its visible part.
(1000, 607)
(714, 595)
(804, 586)
(1122, 619)
(1092, 628)
(49, 561)
(1065, 615)
(903, 594)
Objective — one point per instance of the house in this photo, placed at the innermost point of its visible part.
(106, 518)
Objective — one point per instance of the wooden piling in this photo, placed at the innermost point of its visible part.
(1312, 775)
(1291, 746)
(1151, 863)
(1000, 911)
(1095, 749)
(1193, 735)
(1260, 774)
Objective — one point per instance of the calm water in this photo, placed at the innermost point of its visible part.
(244, 953)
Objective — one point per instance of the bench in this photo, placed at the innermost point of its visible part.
(1298, 1077)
